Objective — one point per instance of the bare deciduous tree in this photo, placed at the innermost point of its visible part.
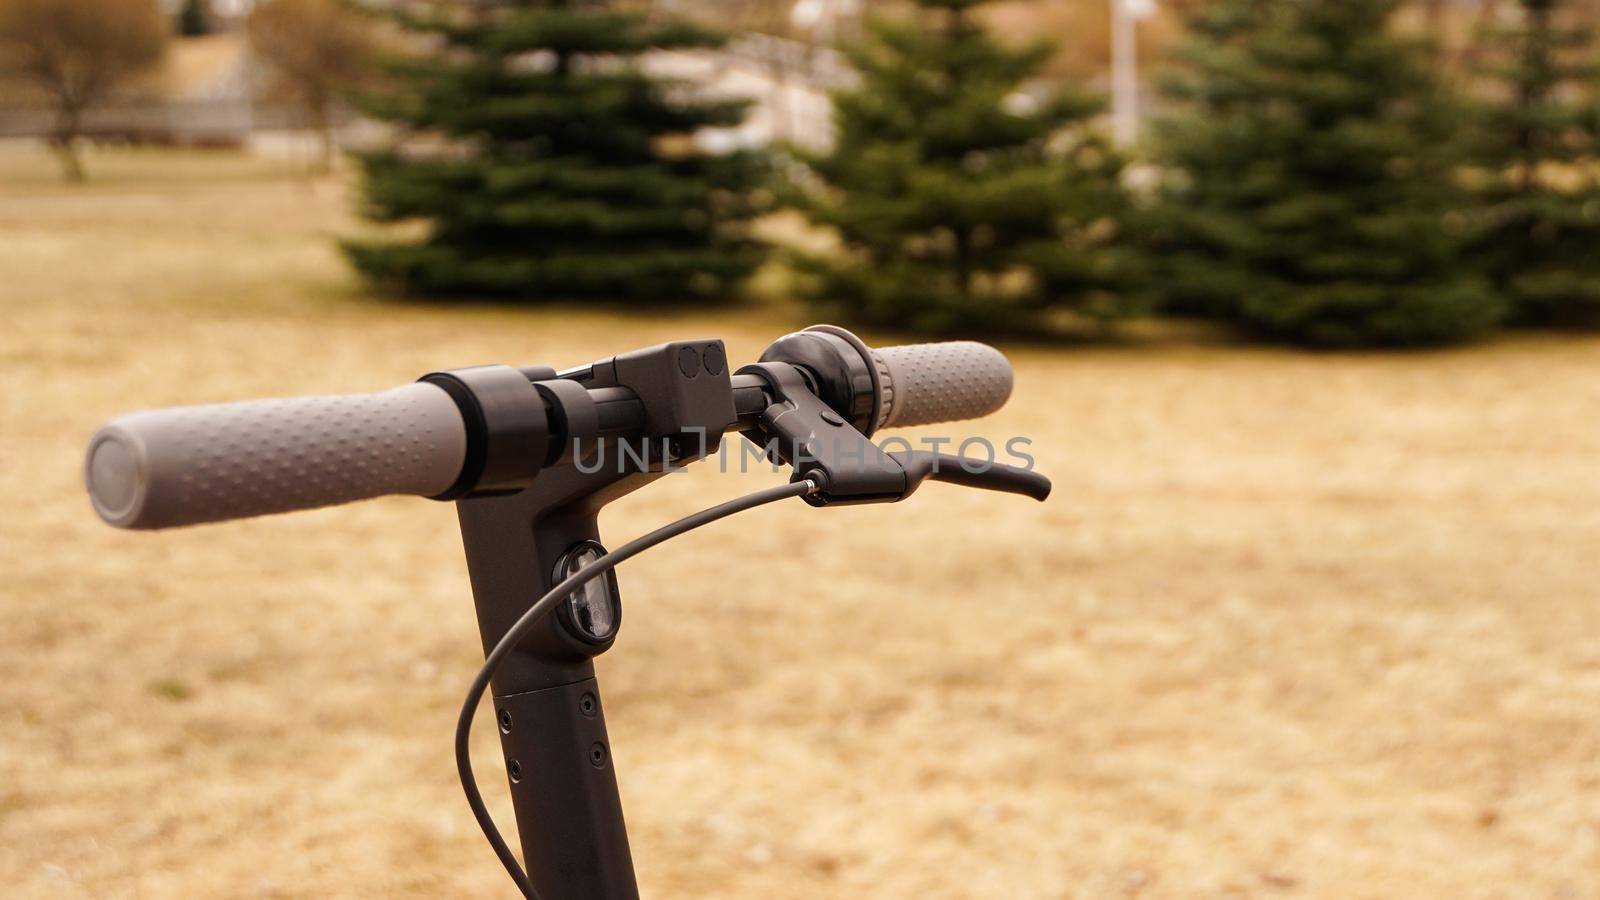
(315, 49)
(77, 52)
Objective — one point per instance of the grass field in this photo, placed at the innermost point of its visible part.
(1291, 626)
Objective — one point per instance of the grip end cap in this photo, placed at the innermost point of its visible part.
(115, 474)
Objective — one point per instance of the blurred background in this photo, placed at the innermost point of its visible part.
(1302, 299)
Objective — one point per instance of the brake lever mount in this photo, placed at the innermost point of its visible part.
(799, 429)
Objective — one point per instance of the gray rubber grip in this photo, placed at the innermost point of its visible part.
(197, 464)
(922, 384)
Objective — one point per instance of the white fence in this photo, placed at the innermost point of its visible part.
(786, 81)
(179, 122)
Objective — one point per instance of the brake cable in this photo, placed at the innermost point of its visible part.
(542, 607)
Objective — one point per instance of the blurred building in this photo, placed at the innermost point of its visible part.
(201, 95)
(786, 81)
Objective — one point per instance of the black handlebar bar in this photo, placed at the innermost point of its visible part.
(492, 429)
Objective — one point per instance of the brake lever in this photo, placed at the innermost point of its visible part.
(847, 468)
(923, 465)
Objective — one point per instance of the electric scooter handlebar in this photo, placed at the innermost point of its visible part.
(195, 464)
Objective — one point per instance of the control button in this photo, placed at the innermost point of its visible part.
(689, 362)
(713, 360)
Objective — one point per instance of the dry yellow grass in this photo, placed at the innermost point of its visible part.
(1297, 626)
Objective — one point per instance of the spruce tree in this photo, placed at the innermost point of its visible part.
(1310, 195)
(961, 202)
(546, 164)
(1538, 146)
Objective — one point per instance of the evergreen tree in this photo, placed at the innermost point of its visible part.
(1309, 194)
(546, 164)
(962, 203)
(1538, 144)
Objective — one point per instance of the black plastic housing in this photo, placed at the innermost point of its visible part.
(508, 431)
(840, 370)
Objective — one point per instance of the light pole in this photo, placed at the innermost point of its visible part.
(1125, 15)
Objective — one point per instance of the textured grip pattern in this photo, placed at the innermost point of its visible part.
(929, 383)
(207, 463)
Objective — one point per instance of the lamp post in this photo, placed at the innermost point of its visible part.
(1125, 15)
